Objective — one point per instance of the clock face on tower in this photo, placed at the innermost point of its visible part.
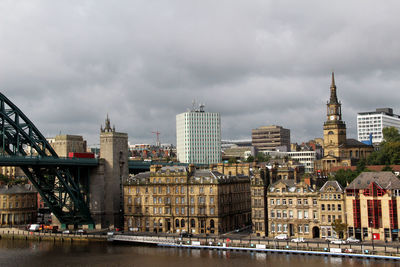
(332, 117)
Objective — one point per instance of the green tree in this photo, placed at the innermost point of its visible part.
(261, 157)
(391, 134)
(345, 177)
(232, 160)
(339, 227)
(389, 152)
(250, 159)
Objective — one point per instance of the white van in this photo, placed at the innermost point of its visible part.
(34, 227)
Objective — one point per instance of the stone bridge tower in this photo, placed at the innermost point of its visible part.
(107, 183)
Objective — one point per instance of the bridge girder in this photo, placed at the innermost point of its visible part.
(66, 197)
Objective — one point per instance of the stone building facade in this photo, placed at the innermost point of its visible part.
(331, 207)
(177, 199)
(293, 209)
(259, 182)
(18, 205)
(63, 144)
(372, 206)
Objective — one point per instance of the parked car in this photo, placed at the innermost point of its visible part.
(329, 239)
(338, 241)
(298, 240)
(352, 239)
(67, 232)
(281, 237)
(185, 235)
(81, 232)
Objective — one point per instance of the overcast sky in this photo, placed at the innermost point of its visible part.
(66, 64)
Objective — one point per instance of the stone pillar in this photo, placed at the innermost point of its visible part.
(114, 151)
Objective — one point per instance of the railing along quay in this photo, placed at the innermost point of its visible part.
(268, 246)
(27, 235)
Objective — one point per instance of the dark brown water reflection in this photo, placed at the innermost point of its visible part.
(27, 253)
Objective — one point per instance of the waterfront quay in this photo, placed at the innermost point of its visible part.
(18, 234)
(315, 247)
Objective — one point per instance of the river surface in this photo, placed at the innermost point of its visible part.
(32, 253)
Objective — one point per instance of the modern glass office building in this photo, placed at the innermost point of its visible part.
(372, 123)
(198, 136)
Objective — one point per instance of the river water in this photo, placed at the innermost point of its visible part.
(32, 253)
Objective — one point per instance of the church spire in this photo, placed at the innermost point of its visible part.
(333, 99)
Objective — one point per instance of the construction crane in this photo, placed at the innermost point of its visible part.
(158, 138)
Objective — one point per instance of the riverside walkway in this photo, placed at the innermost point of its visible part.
(267, 246)
(15, 233)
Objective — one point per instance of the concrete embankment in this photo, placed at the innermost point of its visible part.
(351, 251)
(17, 234)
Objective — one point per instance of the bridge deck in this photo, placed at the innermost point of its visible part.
(46, 161)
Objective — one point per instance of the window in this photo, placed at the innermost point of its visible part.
(279, 227)
(306, 228)
(212, 211)
(177, 211)
(299, 214)
(183, 211)
(211, 190)
(329, 206)
(284, 213)
(211, 200)
(272, 214)
(306, 214)
(191, 200)
(201, 190)
(290, 201)
(278, 214)
(285, 228)
(272, 202)
(314, 201)
(191, 210)
(278, 202)
(300, 228)
(322, 206)
(290, 214)
(305, 201)
(299, 202)
(315, 215)
(272, 227)
(283, 201)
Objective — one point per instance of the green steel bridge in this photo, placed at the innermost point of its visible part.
(62, 183)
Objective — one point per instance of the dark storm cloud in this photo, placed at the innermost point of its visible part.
(67, 64)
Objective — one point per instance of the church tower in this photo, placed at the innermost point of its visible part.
(334, 127)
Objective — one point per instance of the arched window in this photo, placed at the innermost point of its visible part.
(182, 223)
(330, 132)
(192, 223)
(212, 224)
(177, 222)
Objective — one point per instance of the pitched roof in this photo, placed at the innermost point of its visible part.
(17, 189)
(386, 180)
(334, 184)
(355, 143)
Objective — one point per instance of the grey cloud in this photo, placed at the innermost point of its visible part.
(67, 64)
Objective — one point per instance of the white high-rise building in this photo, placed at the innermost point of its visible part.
(198, 137)
(373, 123)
